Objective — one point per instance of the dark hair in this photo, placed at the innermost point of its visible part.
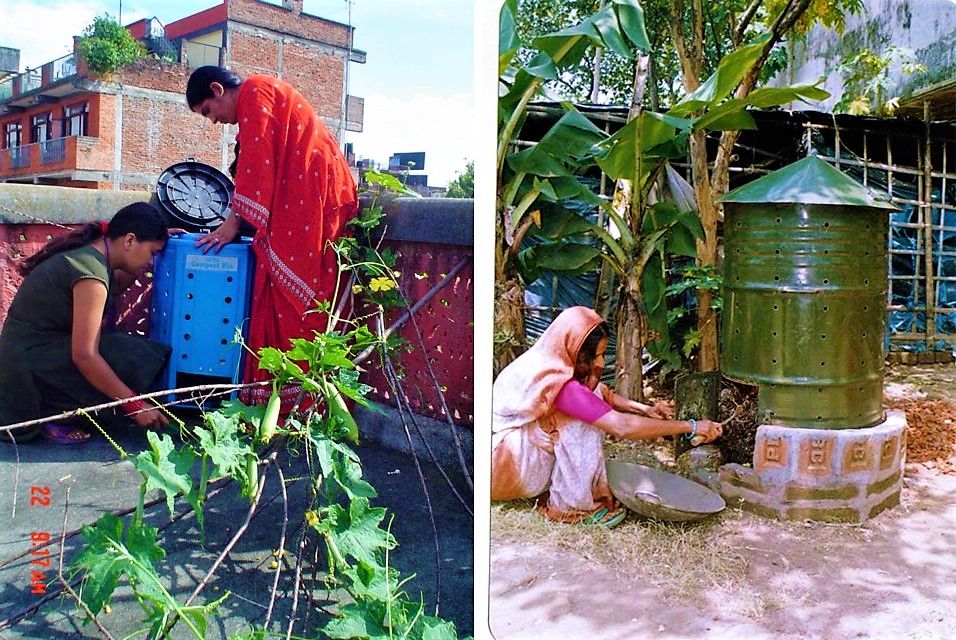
(588, 351)
(197, 87)
(140, 218)
(235, 162)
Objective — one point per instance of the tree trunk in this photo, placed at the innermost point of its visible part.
(708, 353)
(631, 331)
(509, 330)
(630, 316)
(509, 323)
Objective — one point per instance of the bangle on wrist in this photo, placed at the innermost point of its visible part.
(132, 407)
(693, 426)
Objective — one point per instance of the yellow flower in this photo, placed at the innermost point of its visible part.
(382, 284)
(311, 518)
(356, 288)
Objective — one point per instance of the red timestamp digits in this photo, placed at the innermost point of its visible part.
(39, 552)
(41, 559)
(39, 496)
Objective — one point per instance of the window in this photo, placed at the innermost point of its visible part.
(41, 128)
(12, 134)
(75, 119)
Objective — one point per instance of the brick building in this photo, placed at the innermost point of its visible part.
(60, 125)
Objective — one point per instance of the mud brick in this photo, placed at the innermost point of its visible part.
(888, 452)
(858, 456)
(816, 456)
(771, 453)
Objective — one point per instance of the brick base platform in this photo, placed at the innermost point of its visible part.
(846, 475)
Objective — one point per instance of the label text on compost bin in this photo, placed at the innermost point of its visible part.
(199, 262)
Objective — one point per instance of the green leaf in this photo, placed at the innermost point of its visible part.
(730, 71)
(437, 629)
(373, 582)
(653, 284)
(653, 133)
(540, 66)
(690, 220)
(338, 462)
(566, 257)
(558, 222)
(691, 341)
(602, 29)
(681, 242)
(235, 408)
(766, 97)
(107, 557)
(222, 444)
(389, 182)
(347, 382)
(167, 469)
(630, 16)
(355, 621)
(730, 114)
(356, 533)
(560, 149)
(508, 40)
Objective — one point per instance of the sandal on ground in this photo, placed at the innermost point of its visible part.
(63, 434)
(604, 518)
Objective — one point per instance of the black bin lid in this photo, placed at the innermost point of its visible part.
(194, 195)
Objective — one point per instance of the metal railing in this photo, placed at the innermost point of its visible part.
(32, 79)
(52, 151)
(19, 156)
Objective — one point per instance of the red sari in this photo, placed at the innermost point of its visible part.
(294, 186)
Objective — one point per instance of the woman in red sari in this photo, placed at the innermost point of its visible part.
(294, 186)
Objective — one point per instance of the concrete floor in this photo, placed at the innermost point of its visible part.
(100, 481)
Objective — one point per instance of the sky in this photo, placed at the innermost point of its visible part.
(417, 81)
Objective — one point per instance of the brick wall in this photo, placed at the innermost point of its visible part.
(281, 20)
(146, 99)
(432, 239)
(317, 73)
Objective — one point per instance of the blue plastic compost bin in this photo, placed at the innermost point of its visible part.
(199, 301)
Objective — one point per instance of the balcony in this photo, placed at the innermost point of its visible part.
(32, 86)
(73, 158)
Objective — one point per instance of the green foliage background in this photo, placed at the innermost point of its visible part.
(107, 45)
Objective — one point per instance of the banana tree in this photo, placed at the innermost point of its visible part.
(647, 233)
(529, 179)
(534, 184)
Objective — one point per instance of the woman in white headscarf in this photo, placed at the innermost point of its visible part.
(550, 416)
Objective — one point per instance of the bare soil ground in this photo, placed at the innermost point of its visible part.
(738, 575)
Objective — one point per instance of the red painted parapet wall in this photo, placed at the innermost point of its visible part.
(445, 322)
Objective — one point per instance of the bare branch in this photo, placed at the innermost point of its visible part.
(745, 20)
(63, 580)
(281, 549)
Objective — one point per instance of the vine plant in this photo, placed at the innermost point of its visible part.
(238, 441)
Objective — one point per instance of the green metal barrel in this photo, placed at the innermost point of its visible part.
(804, 296)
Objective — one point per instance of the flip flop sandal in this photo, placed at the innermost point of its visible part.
(604, 518)
(596, 517)
(63, 434)
(614, 518)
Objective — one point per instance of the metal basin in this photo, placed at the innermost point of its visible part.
(661, 495)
